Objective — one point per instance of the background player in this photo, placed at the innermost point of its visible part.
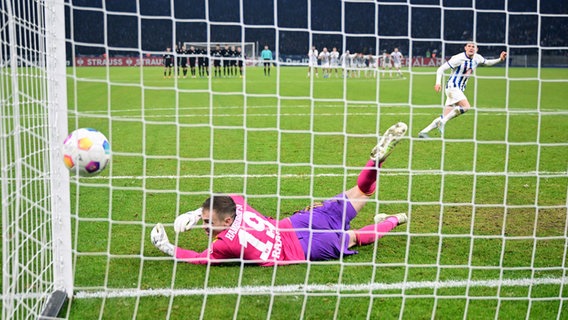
(192, 60)
(325, 63)
(334, 61)
(226, 54)
(346, 61)
(240, 60)
(313, 61)
(216, 55)
(397, 57)
(183, 61)
(203, 63)
(463, 65)
(266, 56)
(167, 60)
(233, 61)
(386, 63)
(239, 233)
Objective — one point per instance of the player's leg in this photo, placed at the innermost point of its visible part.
(371, 233)
(367, 180)
(450, 112)
(454, 97)
(367, 183)
(433, 125)
(453, 112)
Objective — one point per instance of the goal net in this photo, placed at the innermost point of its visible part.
(487, 226)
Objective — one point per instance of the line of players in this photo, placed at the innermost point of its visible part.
(226, 61)
(352, 65)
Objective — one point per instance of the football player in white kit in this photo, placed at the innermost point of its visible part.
(372, 64)
(397, 57)
(463, 65)
(346, 60)
(386, 63)
(313, 61)
(325, 63)
(334, 61)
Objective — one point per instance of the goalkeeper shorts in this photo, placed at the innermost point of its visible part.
(321, 228)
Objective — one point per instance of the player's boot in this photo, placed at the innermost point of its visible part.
(402, 217)
(380, 217)
(423, 135)
(388, 141)
(160, 240)
(441, 125)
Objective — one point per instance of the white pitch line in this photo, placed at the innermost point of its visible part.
(301, 288)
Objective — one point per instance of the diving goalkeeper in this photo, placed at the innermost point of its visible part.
(319, 232)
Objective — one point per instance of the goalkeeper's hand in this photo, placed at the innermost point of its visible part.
(160, 239)
(187, 220)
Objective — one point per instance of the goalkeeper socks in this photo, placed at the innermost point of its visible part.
(367, 180)
(371, 233)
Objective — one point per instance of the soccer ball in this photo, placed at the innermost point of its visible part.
(86, 151)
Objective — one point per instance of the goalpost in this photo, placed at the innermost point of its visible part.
(487, 234)
(37, 274)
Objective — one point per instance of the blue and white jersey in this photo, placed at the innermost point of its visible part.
(462, 67)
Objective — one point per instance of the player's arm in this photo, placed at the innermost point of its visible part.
(217, 251)
(439, 74)
(492, 62)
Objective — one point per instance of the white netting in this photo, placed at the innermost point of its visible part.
(487, 226)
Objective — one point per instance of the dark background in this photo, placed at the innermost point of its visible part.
(149, 26)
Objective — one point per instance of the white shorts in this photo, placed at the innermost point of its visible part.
(325, 64)
(386, 65)
(454, 95)
(397, 65)
(313, 63)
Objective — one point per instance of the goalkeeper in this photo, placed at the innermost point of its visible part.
(320, 232)
(462, 65)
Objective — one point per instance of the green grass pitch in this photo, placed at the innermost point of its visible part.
(486, 203)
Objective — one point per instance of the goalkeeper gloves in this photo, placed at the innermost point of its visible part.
(160, 240)
(187, 220)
